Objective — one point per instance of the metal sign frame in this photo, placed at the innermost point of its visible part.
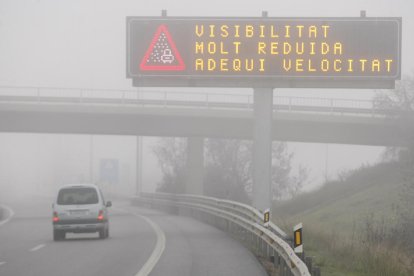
(218, 80)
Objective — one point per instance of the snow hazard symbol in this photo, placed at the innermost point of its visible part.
(162, 55)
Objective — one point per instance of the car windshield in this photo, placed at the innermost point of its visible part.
(77, 196)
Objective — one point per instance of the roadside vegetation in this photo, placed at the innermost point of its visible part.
(352, 226)
(363, 223)
(228, 169)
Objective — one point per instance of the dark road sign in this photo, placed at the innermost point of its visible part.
(269, 49)
(109, 171)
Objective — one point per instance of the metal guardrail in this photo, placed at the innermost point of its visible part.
(242, 221)
(147, 98)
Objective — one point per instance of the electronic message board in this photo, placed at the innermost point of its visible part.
(274, 52)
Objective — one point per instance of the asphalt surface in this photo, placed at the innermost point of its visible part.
(190, 247)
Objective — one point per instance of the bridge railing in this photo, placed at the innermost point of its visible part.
(242, 221)
(173, 99)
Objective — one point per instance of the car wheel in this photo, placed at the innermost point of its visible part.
(102, 233)
(58, 235)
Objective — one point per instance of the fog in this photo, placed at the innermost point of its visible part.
(73, 54)
(81, 44)
(40, 163)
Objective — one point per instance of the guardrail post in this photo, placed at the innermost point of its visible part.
(276, 259)
(268, 252)
(262, 248)
(256, 244)
(259, 246)
(268, 255)
(308, 262)
(286, 270)
(282, 270)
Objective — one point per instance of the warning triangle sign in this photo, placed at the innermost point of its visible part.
(162, 55)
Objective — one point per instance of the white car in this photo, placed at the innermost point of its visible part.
(80, 209)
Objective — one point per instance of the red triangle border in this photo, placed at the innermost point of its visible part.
(179, 67)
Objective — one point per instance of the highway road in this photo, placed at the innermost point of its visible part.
(141, 241)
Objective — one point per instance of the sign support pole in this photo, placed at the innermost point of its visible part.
(138, 170)
(262, 148)
(91, 178)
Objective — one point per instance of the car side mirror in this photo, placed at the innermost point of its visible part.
(108, 204)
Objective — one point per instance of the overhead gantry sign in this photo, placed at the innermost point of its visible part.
(264, 52)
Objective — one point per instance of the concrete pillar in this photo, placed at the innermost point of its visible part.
(138, 170)
(195, 166)
(91, 157)
(262, 148)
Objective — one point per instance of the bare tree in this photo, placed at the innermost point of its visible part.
(228, 166)
(171, 155)
(401, 100)
(283, 184)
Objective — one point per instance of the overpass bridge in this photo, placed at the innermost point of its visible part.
(194, 114)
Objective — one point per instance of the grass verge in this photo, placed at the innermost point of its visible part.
(337, 255)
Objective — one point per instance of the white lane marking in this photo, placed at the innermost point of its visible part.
(159, 246)
(158, 250)
(40, 246)
(9, 211)
(2, 263)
